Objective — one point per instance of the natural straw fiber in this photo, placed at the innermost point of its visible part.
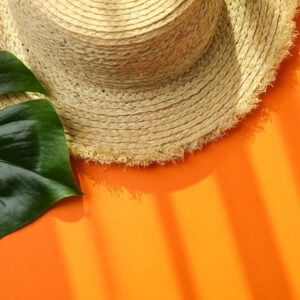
(138, 82)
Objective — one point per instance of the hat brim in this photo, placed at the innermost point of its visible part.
(139, 127)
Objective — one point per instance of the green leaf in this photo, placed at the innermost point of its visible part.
(16, 77)
(35, 170)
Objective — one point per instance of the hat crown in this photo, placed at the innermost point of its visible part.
(123, 43)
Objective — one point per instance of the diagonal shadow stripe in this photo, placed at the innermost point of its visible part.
(283, 100)
(252, 231)
(100, 242)
(104, 256)
(104, 260)
(174, 241)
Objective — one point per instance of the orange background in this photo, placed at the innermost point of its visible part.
(225, 224)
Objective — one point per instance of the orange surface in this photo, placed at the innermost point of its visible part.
(223, 225)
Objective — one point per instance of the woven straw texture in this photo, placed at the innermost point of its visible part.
(138, 82)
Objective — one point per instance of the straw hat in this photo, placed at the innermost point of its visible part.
(141, 81)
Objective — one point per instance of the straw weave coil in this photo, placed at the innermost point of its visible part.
(144, 81)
